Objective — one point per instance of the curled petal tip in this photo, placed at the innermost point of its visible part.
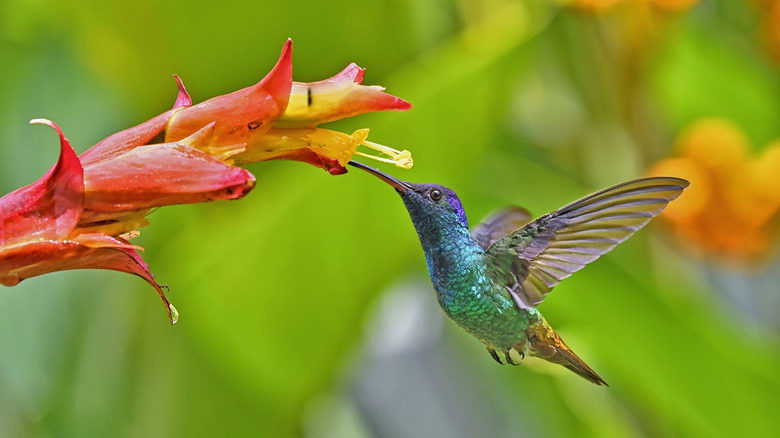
(42, 121)
(50, 124)
(67, 155)
(183, 99)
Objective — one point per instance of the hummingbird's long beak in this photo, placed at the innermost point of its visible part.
(397, 184)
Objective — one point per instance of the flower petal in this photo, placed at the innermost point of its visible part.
(86, 251)
(183, 99)
(332, 165)
(342, 96)
(239, 113)
(117, 254)
(161, 174)
(50, 207)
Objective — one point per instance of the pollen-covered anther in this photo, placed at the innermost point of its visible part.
(402, 159)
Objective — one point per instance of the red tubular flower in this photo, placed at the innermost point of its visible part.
(82, 213)
(162, 174)
(276, 119)
(315, 103)
(125, 176)
(39, 232)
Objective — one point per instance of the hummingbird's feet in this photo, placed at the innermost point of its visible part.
(494, 355)
(508, 359)
(514, 355)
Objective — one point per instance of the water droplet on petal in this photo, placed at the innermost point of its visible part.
(174, 314)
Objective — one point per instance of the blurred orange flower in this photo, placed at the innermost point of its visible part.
(770, 25)
(732, 208)
(603, 5)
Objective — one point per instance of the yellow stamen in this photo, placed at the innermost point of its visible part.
(402, 159)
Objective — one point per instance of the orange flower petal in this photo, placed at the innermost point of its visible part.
(241, 112)
(87, 251)
(161, 174)
(338, 97)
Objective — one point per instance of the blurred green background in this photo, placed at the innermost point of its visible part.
(305, 308)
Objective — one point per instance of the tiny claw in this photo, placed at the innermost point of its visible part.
(494, 355)
(508, 357)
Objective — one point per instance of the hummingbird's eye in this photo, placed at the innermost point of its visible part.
(435, 195)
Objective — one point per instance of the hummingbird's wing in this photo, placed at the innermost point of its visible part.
(532, 260)
(498, 224)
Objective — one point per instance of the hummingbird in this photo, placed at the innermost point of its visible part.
(490, 280)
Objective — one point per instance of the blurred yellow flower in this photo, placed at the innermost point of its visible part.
(732, 208)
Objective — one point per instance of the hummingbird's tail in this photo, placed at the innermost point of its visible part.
(544, 343)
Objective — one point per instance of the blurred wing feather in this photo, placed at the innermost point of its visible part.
(533, 259)
(498, 224)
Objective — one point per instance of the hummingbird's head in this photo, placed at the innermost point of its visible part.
(426, 202)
